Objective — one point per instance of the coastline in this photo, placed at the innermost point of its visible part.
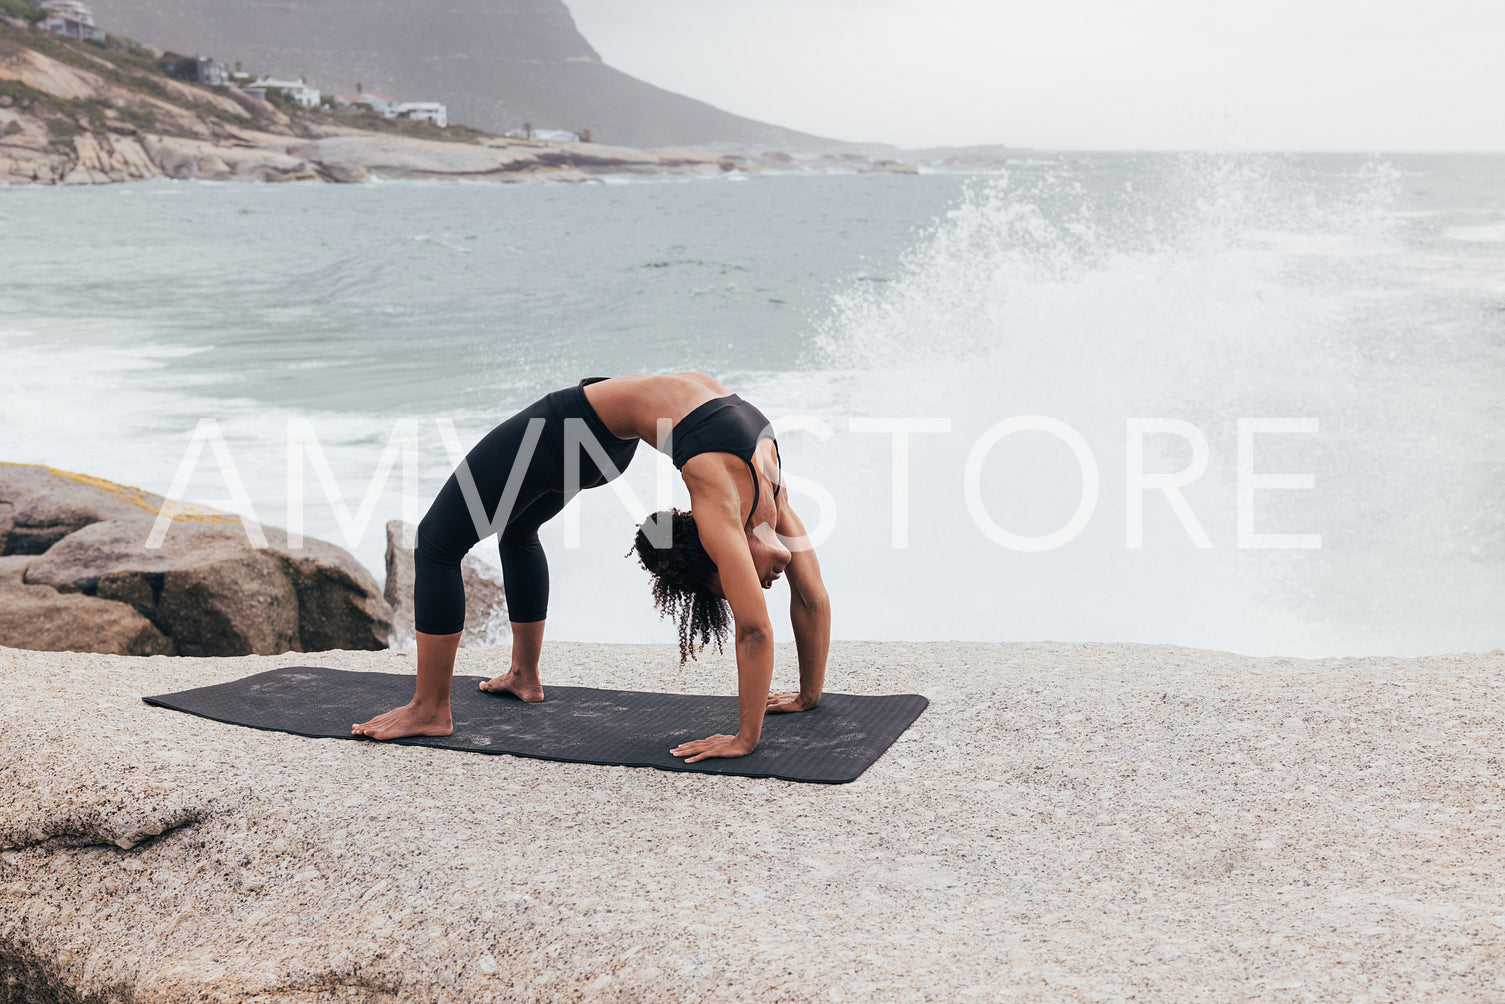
(346, 155)
(75, 113)
(1079, 821)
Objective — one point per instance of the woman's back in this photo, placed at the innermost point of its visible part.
(633, 405)
(713, 430)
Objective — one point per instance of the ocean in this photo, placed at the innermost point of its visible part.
(1243, 402)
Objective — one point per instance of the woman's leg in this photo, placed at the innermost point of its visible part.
(525, 576)
(525, 567)
(427, 714)
(450, 529)
(445, 535)
(521, 679)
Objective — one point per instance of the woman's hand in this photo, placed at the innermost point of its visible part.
(715, 746)
(778, 703)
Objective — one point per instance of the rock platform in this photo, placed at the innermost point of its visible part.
(1065, 822)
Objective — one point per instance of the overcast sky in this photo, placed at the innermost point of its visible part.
(1087, 74)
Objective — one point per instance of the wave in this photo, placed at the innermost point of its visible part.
(1071, 251)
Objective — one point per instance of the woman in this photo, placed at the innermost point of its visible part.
(736, 543)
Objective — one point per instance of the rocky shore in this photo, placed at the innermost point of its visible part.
(1065, 822)
(78, 571)
(485, 598)
(72, 114)
(77, 574)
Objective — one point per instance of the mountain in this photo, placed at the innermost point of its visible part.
(495, 63)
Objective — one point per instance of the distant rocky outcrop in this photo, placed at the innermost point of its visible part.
(485, 599)
(495, 63)
(76, 575)
(73, 113)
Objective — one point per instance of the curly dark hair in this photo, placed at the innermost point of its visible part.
(681, 573)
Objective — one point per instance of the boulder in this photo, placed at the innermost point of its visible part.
(51, 621)
(116, 158)
(76, 575)
(178, 157)
(485, 600)
(21, 163)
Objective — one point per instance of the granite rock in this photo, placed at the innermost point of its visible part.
(177, 157)
(55, 622)
(1064, 823)
(485, 598)
(76, 558)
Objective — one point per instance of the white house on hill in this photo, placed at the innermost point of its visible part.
(426, 111)
(73, 10)
(390, 108)
(71, 19)
(307, 97)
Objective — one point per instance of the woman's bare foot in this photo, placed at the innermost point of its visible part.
(411, 719)
(524, 687)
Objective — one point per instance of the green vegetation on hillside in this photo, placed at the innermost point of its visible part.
(146, 73)
(68, 117)
(22, 10)
(122, 62)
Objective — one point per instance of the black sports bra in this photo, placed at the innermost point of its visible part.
(725, 425)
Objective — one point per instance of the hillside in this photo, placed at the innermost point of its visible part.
(80, 112)
(89, 113)
(495, 63)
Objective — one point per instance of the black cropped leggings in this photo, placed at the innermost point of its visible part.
(516, 478)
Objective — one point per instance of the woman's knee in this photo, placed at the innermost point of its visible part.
(519, 538)
(437, 542)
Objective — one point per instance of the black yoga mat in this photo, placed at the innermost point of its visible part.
(831, 744)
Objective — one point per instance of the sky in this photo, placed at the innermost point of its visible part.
(1365, 75)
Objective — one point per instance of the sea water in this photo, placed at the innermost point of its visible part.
(1049, 337)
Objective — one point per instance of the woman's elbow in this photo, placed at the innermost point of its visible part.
(754, 634)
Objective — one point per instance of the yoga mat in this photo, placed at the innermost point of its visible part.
(831, 744)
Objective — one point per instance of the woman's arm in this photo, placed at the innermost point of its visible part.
(809, 613)
(720, 526)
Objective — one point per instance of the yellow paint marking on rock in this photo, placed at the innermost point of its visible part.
(135, 496)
